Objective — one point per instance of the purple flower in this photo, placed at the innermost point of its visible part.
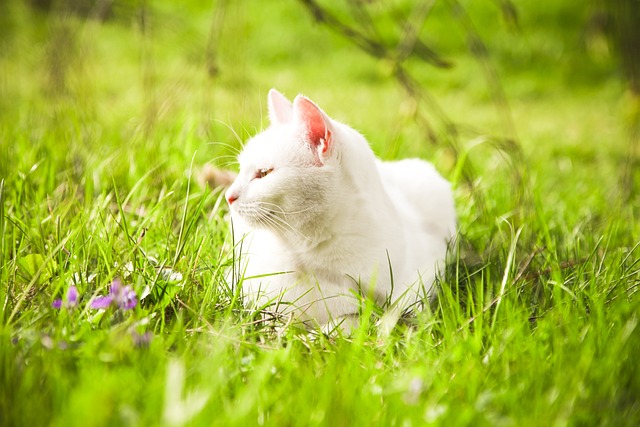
(70, 299)
(121, 296)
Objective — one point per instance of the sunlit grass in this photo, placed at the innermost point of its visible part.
(536, 321)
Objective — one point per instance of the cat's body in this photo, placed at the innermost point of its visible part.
(318, 219)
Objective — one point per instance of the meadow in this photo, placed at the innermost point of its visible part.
(109, 113)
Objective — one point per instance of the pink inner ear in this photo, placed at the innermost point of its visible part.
(313, 123)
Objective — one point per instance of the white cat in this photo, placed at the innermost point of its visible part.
(319, 220)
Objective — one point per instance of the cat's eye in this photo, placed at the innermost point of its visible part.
(264, 172)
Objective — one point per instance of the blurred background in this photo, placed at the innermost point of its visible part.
(491, 90)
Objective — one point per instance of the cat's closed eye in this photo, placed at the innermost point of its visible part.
(263, 172)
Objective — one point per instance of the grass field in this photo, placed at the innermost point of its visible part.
(105, 125)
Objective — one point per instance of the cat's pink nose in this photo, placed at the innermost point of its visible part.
(231, 198)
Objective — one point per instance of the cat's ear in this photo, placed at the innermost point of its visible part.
(280, 108)
(314, 126)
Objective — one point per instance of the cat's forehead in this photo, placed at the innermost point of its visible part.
(271, 145)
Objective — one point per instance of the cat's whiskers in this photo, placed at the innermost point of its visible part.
(283, 225)
(230, 127)
(269, 222)
(231, 160)
(234, 149)
(287, 213)
(277, 223)
(275, 219)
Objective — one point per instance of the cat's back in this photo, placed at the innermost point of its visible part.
(421, 193)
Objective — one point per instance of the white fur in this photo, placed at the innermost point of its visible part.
(325, 226)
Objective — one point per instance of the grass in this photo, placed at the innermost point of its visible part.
(104, 127)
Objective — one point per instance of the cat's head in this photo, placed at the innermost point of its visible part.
(287, 172)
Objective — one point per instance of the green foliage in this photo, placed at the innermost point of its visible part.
(106, 118)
